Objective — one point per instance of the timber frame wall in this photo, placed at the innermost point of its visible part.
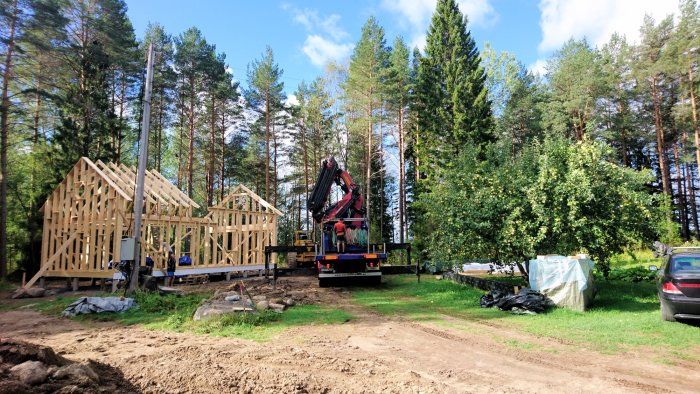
(89, 213)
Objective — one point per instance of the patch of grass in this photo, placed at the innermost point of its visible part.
(262, 327)
(171, 313)
(624, 315)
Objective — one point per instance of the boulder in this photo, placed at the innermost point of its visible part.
(262, 306)
(279, 308)
(289, 301)
(30, 372)
(218, 308)
(76, 371)
(258, 298)
(232, 297)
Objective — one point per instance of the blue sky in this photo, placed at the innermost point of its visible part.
(305, 34)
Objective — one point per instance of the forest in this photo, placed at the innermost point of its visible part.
(459, 149)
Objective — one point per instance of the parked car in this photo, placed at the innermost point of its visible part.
(678, 283)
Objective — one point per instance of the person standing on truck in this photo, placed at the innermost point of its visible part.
(339, 228)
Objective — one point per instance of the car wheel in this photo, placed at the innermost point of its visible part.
(665, 313)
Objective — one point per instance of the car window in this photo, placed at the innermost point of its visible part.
(685, 264)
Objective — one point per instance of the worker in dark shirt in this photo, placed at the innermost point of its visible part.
(339, 228)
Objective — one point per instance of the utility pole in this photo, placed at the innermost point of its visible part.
(141, 174)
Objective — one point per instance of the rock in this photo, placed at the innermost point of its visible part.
(279, 308)
(259, 298)
(297, 295)
(32, 292)
(76, 371)
(71, 389)
(233, 297)
(262, 306)
(30, 372)
(163, 290)
(218, 308)
(11, 386)
(289, 302)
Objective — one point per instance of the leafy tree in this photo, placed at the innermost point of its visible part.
(556, 197)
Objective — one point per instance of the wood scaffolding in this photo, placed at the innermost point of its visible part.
(89, 213)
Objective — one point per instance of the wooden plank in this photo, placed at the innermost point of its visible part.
(106, 178)
(45, 266)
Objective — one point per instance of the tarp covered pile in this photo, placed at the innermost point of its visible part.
(567, 281)
(88, 305)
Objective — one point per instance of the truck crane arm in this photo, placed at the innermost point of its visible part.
(351, 205)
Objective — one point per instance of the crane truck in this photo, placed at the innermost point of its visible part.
(359, 259)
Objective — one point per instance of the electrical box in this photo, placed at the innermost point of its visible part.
(126, 253)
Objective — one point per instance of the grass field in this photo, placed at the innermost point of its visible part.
(172, 313)
(624, 315)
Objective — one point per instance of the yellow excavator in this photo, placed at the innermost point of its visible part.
(302, 259)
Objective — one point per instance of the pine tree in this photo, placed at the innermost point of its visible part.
(398, 101)
(364, 89)
(265, 95)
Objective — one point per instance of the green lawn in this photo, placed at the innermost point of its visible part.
(171, 313)
(624, 315)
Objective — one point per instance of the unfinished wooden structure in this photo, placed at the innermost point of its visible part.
(89, 213)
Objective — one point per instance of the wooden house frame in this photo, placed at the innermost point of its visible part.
(89, 213)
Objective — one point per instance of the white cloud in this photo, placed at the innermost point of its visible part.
(596, 20)
(417, 14)
(325, 39)
(292, 100)
(538, 67)
(320, 50)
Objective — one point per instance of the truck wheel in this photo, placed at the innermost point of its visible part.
(292, 259)
(323, 282)
(665, 313)
(376, 281)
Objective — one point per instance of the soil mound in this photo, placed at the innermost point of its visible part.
(30, 368)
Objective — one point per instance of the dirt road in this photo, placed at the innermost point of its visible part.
(372, 353)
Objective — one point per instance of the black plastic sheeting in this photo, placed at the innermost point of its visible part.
(526, 301)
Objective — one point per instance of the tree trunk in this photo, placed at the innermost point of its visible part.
(696, 129)
(693, 202)
(369, 159)
(223, 153)
(267, 146)
(4, 136)
(402, 175)
(212, 156)
(274, 166)
(305, 149)
(623, 140)
(159, 143)
(680, 195)
(120, 134)
(660, 144)
(381, 172)
(190, 153)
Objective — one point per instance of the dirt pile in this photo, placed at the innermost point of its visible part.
(30, 368)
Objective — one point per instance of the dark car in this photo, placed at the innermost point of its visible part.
(679, 285)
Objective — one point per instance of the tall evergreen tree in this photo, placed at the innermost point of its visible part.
(365, 88)
(451, 88)
(265, 95)
(398, 100)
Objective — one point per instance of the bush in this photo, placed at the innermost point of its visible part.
(633, 274)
